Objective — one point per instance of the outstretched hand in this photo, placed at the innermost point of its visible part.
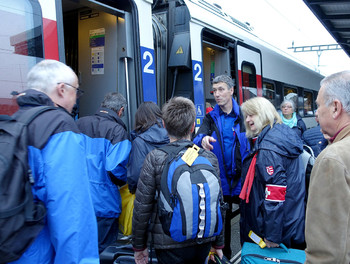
(206, 142)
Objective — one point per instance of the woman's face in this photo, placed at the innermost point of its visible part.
(250, 121)
(287, 110)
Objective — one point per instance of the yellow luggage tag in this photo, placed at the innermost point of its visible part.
(258, 240)
(190, 155)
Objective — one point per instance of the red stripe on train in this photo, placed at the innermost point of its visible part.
(50, 39)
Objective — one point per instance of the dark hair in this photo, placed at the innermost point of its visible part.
(146, 116)
(114, 101)
(179, 114)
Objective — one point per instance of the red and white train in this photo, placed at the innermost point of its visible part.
(148, 51)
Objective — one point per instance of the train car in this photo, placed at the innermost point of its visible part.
(148, 51)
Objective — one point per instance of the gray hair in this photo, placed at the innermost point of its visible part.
(224, 79)
(45, 75)
(337, 86)
(288, 101)
(114, 101)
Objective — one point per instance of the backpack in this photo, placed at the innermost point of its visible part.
(190, 197)
(21, 218)
(308, 158)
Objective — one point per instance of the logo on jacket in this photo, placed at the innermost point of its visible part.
(269, 170)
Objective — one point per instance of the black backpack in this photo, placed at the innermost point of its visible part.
(190, 198)
(21, 218)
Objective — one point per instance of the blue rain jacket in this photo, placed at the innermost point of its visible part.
(240, 147)
(57, 160)
(278, 164)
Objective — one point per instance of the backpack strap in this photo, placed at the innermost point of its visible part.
(29, 115)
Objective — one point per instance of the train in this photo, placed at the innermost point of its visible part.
(148, 50)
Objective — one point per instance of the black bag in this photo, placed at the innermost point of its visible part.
(21, 218)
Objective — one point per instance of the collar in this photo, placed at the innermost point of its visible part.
(336, 134)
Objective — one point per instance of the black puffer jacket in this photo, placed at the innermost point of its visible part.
(145, 205)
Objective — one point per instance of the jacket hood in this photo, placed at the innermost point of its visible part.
(155, 135)
(280, 139)
(33, 97)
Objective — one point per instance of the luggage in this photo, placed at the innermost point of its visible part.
(21, 218)
(253, 254)
(121, 254)
(189, 204)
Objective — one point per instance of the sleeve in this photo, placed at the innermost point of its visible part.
(70, 213)
(137, 157)
(143, 204)
(273, 177)
(302, 126)
(117, 157)
(327, 213)
(203, 131)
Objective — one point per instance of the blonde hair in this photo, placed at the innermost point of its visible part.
(265, 112)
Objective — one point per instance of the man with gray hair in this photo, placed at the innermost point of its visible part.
(56, 156)
(327, 228)
(223, 133)
(108, 148)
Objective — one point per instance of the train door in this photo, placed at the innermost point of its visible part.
(249, 71)
(102, 44)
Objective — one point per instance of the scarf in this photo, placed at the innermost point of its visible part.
(248, 182)
(290, 122)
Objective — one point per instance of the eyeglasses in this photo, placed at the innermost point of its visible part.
(287, 106)
(79, 91)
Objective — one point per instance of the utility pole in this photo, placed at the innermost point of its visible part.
(318, 48)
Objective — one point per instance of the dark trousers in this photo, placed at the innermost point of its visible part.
(228, 217)
(108, 229)
(188, 255)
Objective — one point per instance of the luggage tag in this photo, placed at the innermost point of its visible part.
(190, 155)
(258, 240)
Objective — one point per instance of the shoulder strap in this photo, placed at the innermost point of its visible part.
(173, 151)
(29, 115)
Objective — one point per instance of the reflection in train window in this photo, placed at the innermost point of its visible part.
(308, 111)
(269, 92)
(248, 81)
(291, 93)
(21, 48)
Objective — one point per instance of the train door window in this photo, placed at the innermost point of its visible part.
(21, 48)
(248, 81)
(269, 92)
(291, 93)
(308, 107)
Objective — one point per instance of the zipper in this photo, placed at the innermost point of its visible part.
(275, 260)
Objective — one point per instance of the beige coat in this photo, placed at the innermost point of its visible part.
(327, 229)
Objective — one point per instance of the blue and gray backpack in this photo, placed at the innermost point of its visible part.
(189, 204)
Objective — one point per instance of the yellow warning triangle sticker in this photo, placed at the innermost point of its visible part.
(179, 50)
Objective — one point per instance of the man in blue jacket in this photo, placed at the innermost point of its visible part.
(223, 133)
(108, 148)
(56, 155)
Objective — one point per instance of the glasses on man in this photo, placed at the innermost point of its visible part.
(79, 91)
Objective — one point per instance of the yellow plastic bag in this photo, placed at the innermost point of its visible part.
(125, 218)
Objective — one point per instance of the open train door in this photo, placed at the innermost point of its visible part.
(248, 72)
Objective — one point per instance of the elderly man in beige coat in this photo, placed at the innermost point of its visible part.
(327, 229)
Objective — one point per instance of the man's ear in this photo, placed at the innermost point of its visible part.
(193, 127)
(337, 108)
(60, 91)
(120, 112)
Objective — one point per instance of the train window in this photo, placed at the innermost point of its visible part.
(308, 99)
(248, 81)
(269, 92)
(21, 48)
(291, 93)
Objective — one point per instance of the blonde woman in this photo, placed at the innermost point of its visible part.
(273, 179)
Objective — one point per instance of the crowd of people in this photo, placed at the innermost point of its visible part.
(78, 167)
